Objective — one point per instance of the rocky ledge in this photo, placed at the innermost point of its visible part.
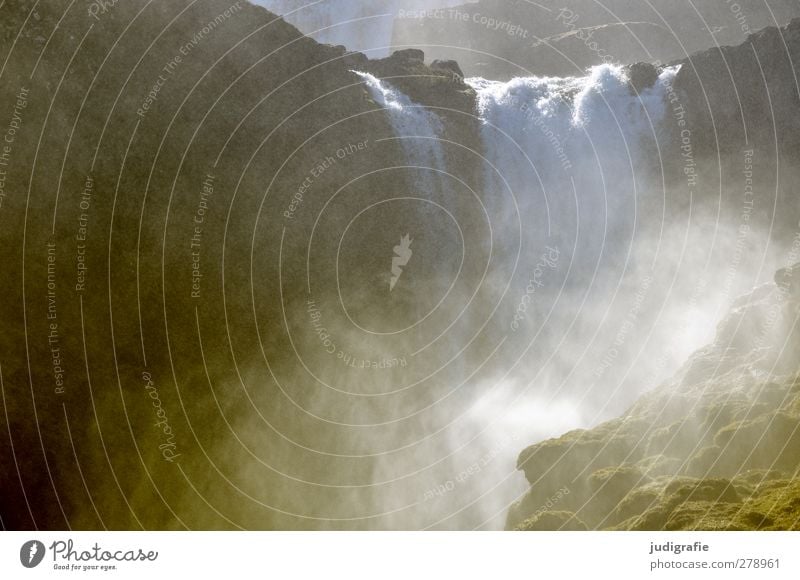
(716, 448)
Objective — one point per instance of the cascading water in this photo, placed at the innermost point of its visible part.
(565, 162)
(569, 159)
(417, 128)
(574, 165)
(545, 135)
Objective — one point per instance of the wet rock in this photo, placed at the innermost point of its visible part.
(448, 65)
(553, 521)
(409, 55)
(642, 76)
(703, 451)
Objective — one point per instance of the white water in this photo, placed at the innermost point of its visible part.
(575, 160)
(599, 107)
(455, 464)
(417, 128)
(571, 162)
(544, 133)
(361, 26)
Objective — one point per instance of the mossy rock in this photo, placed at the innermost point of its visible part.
(724, 456)
(705, 515)
(779, 501)
(773, 395)
(553, 521)
(719, 414)
(606, 488)
(700, 515)
(659, 465)
(792, 405)
(704, 462)
(662, 408)
(674, 439)
(753, 520)
(708, 490)
(634, 504)
(611, 484)
(758, 477)
(771, 441)
(571, 457)
(539, 499)
(654, 518)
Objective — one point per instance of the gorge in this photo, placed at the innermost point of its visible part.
(593, 325)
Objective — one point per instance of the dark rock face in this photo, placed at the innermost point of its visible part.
(238, 133)
(501, 40)
(249, 119)
(643, 76)
(747, 93)
(355, 60)
(408, 55)
(435, 86)
(448, 65)
(709, 450)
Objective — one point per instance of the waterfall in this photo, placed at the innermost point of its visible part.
(417, 129)
(571, 157)
(575, 163)
(555, 128)
(571, 153)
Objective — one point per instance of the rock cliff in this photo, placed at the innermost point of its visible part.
(715, 448)
(174, 172)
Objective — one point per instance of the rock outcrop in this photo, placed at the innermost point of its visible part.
(745, 95)
(502, 39)
(717, 447)
(182, 140)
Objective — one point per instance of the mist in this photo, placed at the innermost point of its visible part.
(361, 26)
(412, 402)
